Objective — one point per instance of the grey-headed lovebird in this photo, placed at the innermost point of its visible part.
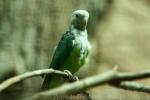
(72, 50)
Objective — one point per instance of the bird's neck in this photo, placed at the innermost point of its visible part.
(75, 30)
(72, 27)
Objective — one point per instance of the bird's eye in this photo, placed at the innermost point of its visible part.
(77, 15)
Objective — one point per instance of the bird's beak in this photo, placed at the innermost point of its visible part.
(84, 20)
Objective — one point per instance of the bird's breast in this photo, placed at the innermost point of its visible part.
(78, 55)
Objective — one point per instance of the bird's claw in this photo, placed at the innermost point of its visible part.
(75, 78)
(69, 74)
(71, 77)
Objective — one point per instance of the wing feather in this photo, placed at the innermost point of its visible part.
(63, 50)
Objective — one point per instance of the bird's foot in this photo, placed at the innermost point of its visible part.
(71, 77)
(69, 74)
(75, 78)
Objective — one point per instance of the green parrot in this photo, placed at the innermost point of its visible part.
(72, 50)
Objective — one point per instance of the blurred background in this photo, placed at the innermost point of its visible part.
(119, 32)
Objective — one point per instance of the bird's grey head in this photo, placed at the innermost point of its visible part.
(79, 19)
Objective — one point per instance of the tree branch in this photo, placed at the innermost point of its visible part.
(26, 75)
(111, 77)
(4, 85)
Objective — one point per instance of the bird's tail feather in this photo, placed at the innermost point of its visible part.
(51, 82)
(46, 82)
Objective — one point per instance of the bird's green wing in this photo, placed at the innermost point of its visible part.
(63, 50)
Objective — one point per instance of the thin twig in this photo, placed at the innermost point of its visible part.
(133, 86)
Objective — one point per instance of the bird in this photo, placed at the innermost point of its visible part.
(72, 50)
